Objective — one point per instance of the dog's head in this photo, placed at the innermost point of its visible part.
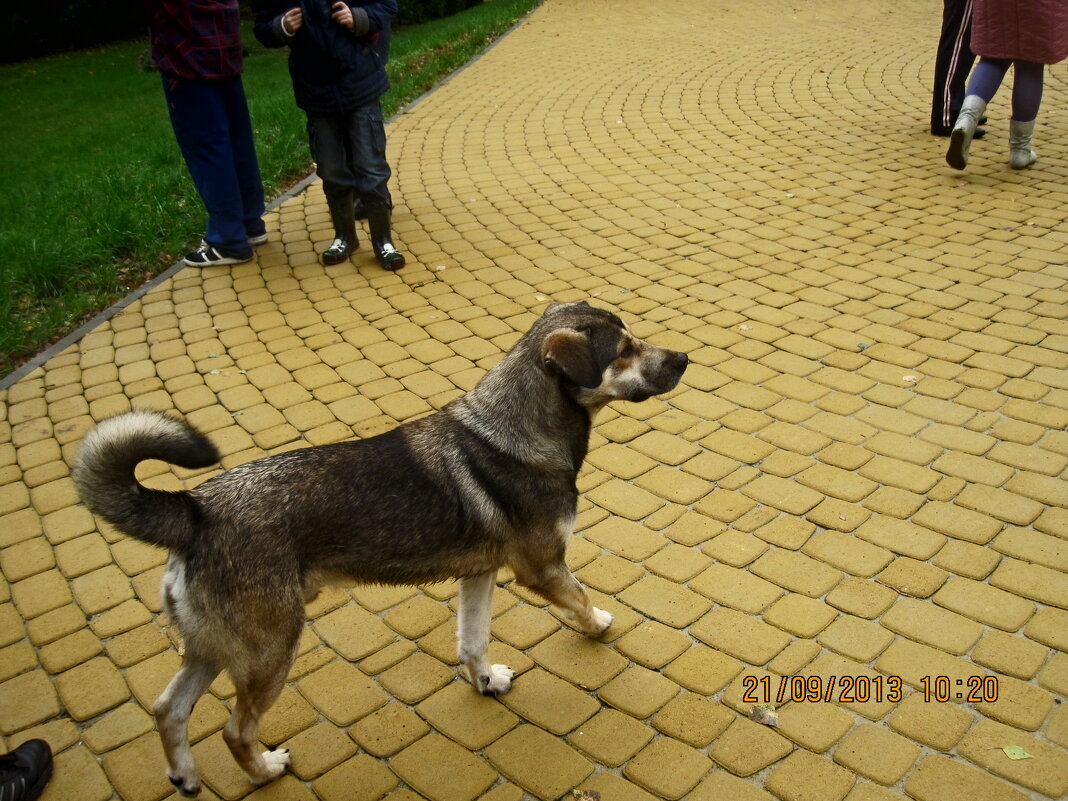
(598, 360)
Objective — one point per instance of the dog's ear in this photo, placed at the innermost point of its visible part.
(553, 308)
(569, 352)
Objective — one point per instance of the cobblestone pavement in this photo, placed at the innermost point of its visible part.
(861, 480)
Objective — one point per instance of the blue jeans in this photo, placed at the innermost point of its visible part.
(349, 150)
(214, 133)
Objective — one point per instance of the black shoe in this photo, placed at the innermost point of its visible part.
(209, 256)
(25, 771)
(339, 250)
(381, 239)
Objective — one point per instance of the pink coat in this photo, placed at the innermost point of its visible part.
(1029, 30)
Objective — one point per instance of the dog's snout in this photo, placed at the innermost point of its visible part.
(678, 361)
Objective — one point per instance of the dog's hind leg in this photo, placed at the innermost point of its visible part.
(257, 689)
(555, 583)
(172, 711)
(476, 603)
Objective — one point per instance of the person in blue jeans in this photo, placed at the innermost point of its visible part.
(337, 60)
(197, 49)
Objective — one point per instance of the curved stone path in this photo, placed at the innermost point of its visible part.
(860, 483)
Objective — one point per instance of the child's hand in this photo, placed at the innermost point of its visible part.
(292, 20)
(342, 14)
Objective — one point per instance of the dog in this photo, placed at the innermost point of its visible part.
(489, 481)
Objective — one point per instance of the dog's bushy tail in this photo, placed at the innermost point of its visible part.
(105, 480)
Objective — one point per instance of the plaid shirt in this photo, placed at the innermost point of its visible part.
(199, 40)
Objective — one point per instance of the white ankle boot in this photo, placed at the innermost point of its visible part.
(960, 139)
(1020, 153)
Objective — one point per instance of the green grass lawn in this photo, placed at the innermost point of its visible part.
(95, 197)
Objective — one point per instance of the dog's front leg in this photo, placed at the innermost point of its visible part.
(476, 603)
(556, 584)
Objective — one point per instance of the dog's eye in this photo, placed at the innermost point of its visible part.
(628, 351)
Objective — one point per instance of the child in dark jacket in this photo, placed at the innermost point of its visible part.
(337, 60)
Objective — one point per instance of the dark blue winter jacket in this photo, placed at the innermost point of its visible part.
(333, 69)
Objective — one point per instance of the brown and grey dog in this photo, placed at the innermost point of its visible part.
(487, 482)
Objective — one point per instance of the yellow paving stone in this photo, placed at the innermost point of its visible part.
(740, 635)
(853, 685)
(1031, 546)
(721, 784)
(17, 658)
(625, 500)
(40, 593)
(692, 719)
(353, 632)
(913, 577)
(1019, 703)
(747, 747)
(786, 532)
(668, 768)
(803, 775)
(65, 653)
(78, 776)
(848, 553)
(814, 726)
(1057, 728)
(876, 753)
(796, 572)
(610, 737)
(652, 644)
(416, 677)
(966, 559)
(939, 725)
(118, 727)
(1045, 772)
(457, 711)
(608, 785)
(134, 768)
(101, 589)
(794, 657)
(537, 761)
(703, 670)
(91, 688)
(628, 540)
(800, 615)
(12, 628)
(1010, 654)
(941, 778)
(362, 778)
(549, 702)
(578, 659)
(929, 624)
(665, 601)
(856, 638)
(382, 733)
(26, 559)
(736, 588)
(342, 693)
(1033, 581)
(984, 603)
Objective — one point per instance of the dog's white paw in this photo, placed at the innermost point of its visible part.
(498, 682)
(276, 763)
(188, 785)
(601, 620)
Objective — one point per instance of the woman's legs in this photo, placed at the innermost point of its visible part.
(987, 77)
(1026, 98)
(1026, 90)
